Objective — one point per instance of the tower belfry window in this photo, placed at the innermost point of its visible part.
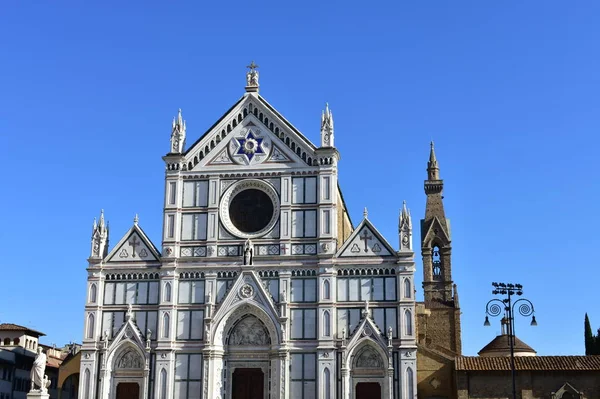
(436, 262)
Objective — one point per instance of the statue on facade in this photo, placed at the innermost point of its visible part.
(38, 378)
(252, 75)
(248, 253)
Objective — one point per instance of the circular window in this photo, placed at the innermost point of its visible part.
(249, 208)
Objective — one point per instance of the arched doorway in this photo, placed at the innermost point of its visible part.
(247, 345)
(70, 387)
(368, 373)
(128, 373)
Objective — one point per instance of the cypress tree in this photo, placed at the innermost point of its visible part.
(590, 344)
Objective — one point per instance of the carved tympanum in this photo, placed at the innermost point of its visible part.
(130, 360)
(369, 358)
(249, 331)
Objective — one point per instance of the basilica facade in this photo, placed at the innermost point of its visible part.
(262, 286)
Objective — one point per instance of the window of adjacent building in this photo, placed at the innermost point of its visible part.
(193, 226)
(170, 226)
(366, 288)
(304, 223)
(304, 323)
(191, 291)
(195, 193)
(304, 190)
(172, 192)
(188, 376)
(190, 324)
(385, 318)
(303, 376)
(304, 290)
(135, 293)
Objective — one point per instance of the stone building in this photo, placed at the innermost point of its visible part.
(18, 347)
(438, 316)
(262, 286)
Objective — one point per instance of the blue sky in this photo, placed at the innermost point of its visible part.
(508, 91)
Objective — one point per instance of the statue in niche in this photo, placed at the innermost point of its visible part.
(248, 253)
(38, 378)
(369, 358)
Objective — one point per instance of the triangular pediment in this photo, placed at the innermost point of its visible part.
(129, 332)
(251, 133)
(366, 330)
(435, 230)
(135, 246)
(247, 288)
(366, 241)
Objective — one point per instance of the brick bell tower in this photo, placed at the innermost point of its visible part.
(442, 327)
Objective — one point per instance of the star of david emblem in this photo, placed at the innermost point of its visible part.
(249, 146)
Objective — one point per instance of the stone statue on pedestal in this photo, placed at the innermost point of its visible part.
(38, 378)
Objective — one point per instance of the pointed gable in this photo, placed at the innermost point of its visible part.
(251, 133)
(435, 229)
(366, 241)
(135, 246)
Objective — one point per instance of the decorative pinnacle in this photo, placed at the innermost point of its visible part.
(136, 219)
(433, 170)
(101, 218)
(365, 213)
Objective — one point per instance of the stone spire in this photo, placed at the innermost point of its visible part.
(405, 228)
(178, 134)
(327, 127)
(99, 238)
(433, 170)
(252, 78)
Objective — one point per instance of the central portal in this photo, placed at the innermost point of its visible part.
(248, 384)
(368, 390)
(128, 390)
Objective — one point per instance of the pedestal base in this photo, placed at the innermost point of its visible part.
(38, 395)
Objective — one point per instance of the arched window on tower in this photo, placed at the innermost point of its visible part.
(407, 288)
(326, 324)
(327, 383)
(326, 290)
(167, 297)
(410, 383)
(90, 327)
(166, 325)
(93, 293)
(408, 324)
(436, 262)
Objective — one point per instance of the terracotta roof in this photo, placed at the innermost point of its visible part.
(501, 344)
(16, 327)
(533, 363)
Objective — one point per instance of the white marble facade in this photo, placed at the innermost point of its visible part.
(262, 286)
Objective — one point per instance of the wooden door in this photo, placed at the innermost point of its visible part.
(368, 390)
(128, 390)
(248, 384)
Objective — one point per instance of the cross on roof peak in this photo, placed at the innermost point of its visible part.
(252, 66)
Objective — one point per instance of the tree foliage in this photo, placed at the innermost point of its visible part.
(592, 342)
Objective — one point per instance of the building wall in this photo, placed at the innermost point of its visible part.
(530, 384)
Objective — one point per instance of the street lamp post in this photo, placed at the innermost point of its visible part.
(495, 307)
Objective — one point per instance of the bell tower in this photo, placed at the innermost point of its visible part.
(441, 294)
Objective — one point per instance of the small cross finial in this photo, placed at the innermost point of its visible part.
(136, 219)
(365, 213)
(252, 66)
(431, 144)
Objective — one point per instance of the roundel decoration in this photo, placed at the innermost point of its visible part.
(249, 147)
